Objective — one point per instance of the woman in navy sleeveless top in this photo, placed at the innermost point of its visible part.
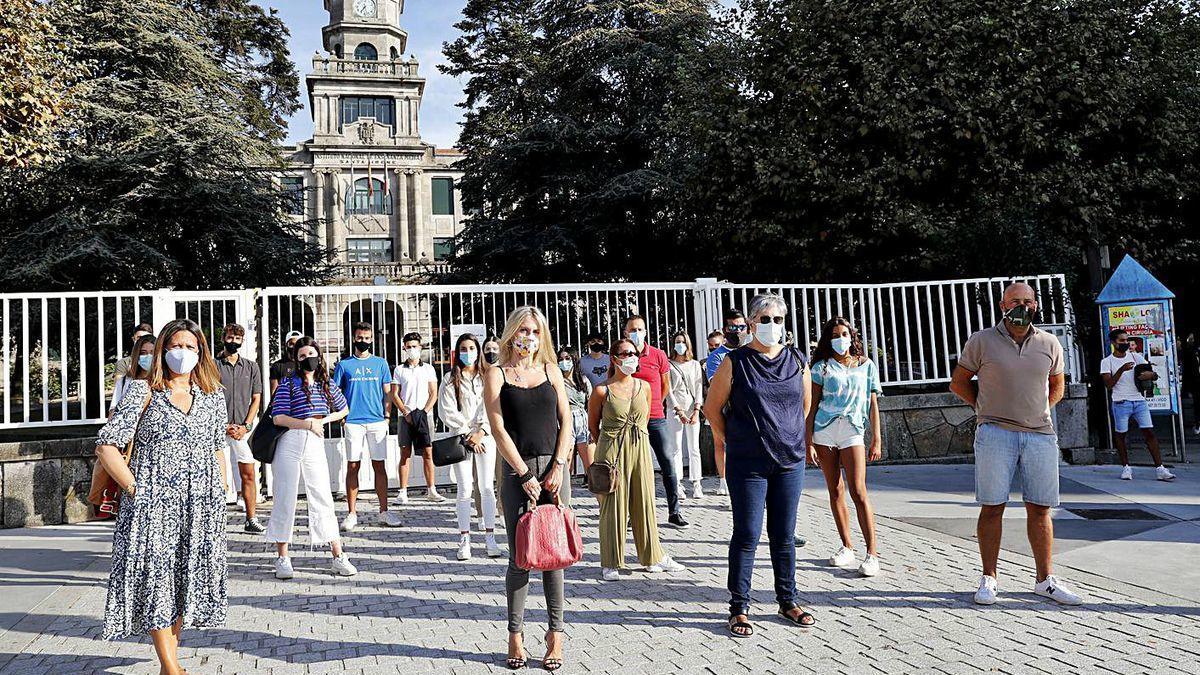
(757, 405)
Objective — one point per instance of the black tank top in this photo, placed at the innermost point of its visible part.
(530, 417)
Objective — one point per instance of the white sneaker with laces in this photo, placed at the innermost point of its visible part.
(681, 495)
(722, 488)
(986, 595)
(390, 519)
(283, 568)
(349, 522)
(843, 558)
(464, 547)
(1057, 591)
(494, 550)
(342, 567)
(869, 566)
(434, 497)
(609, 574)
(1161, 473)
(668, 564)
(697, 490)
(402, 498)
(1127, 473)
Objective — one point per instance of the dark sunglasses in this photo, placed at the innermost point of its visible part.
(625, 354)
(736, 329)
(769, 319)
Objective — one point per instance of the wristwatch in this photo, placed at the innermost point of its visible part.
(560, 462)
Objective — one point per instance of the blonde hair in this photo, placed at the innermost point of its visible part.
(546, 353)
(204, 375)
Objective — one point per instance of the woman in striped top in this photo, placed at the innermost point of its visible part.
(305, 403)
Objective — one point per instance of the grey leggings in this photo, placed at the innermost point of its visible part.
(516, 580)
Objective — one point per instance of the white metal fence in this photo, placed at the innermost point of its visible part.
(59, 349)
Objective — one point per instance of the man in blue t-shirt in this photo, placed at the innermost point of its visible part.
(735, 336)
(366, 381)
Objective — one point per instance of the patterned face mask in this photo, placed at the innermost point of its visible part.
(525, 345)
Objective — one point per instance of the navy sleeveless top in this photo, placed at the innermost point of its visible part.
(765, 415)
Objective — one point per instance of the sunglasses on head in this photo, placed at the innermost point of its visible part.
(769, 319)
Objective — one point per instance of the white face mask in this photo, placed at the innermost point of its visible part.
(413, 354)
(680, 348)
(628, 365)
(565, 365)
(841, 345)
(181, 361)
(768, 334)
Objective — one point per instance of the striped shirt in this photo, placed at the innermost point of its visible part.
(290, 399)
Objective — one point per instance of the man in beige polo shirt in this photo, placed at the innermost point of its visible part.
(1019, 371)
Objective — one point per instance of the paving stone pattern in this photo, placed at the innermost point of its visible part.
(414, 608)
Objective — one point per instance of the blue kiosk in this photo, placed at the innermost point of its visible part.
(1140, 304)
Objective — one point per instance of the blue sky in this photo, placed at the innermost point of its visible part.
(429, 23)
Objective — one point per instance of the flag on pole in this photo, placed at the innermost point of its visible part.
(370, 183)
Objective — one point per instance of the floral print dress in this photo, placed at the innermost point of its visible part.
(169, 541)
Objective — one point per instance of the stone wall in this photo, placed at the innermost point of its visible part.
(45, 482)
(930, 426)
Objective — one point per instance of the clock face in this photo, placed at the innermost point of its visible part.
(364, 7)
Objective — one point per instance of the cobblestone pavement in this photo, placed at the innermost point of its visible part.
(414, 608)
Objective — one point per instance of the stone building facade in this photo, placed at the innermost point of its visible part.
(387, 200)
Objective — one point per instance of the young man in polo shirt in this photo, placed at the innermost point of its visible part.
(1128, 402)
(365, 381)
(1020, 378)
(243, 395)
(655, 369)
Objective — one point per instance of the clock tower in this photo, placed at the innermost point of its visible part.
(386, 201)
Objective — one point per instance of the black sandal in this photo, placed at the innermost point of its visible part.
(803, 619)
(734, 624)
(551, 663)
(517, 662)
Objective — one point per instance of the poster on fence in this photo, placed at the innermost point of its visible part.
(1146, 324)
(477, 329)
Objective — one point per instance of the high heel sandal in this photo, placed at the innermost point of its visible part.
(518, 662)
(551, 663)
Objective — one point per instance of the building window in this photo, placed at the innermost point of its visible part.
(443, 248)
(292, 195)
(443, 196)
(395, 54)
(366, 52)
(368, 197)
(369, 250)
(355, 107)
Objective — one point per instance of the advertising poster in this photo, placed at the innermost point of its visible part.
(1146, 325)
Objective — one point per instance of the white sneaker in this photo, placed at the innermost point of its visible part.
(869, 566)
(464, 547)
(342, 567)
(1127, 473)
(402, 498)
(665, 565)
(609, 574)
(843, 558)
(986, 595)
(697, 490)
(1057, 591)
(494, 550)
(722, 488)
(434, 497)
(283, 568)
(681, 495)
(390, 518)
(1161, 473)
(349, 522)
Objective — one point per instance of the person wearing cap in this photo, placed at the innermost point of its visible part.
(285, 367)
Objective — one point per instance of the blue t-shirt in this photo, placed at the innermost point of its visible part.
(845, 392)
(714, 360)
(362, 380)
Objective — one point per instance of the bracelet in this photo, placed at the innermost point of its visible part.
(527, 476)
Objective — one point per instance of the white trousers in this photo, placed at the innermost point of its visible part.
(686, 437)
(301, 454)
(483, 466)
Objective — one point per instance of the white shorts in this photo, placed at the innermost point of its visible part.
(240, 450)
(839, 434)
(369, 439)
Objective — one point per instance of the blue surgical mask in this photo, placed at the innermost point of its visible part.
(468, 358)
(680, 348)
(565, 365)
(145, 361)
(841, 345)
(637, 337)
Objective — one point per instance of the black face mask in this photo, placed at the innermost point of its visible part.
(360, 346)
(1021, 315)
(310, 364)
(1121, 347)
(597, 348)
(232, 347)
(491, 357)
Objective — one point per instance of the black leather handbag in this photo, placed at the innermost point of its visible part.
(264, 437)
(450, 450)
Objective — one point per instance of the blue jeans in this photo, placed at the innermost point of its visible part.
(757, 485)
(660, 442)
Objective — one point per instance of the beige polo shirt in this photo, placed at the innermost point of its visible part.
(1014, 380)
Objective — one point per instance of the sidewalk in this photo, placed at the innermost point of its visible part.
(414, 609)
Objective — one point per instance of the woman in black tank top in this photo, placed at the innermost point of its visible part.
(531, 421)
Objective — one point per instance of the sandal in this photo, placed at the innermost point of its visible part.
(734, 624)
(517, 662)
(803, 619)
(551, 663)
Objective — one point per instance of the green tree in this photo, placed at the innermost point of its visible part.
(168, 182)
(32, 74)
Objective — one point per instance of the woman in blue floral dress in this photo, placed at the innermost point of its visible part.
(168, 566)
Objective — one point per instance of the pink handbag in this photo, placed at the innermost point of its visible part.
(548, 538)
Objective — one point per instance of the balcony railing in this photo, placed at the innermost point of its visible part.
(333, 65)
(392, 271)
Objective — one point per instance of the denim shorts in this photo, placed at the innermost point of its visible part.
(1000, 452)
(1139, 410)
(839, 435)
(579, 422)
